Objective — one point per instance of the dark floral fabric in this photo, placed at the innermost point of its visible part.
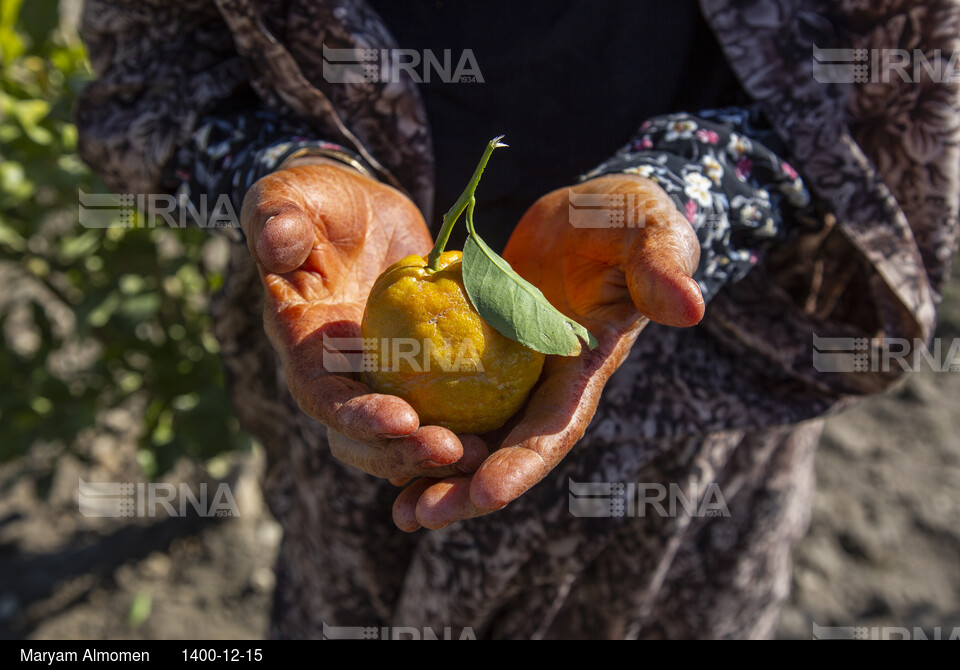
(737, 194)
(735, 401)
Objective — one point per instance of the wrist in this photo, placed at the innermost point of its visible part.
(324, 156)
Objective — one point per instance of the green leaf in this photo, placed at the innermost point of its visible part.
(30, 113)
(514, 306)
(140, 609)
(9, 11)
(11, 238)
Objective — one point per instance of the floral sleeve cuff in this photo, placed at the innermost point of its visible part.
(227, 154)
(737, 193)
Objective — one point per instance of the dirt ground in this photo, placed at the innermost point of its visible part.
(883, 547)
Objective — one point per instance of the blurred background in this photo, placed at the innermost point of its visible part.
(109, 373)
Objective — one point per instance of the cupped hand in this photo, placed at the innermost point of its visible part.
(321, 234)
(611, 280)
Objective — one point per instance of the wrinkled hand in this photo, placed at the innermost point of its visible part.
(611, 280)
(321, 234)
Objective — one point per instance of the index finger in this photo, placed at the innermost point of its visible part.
(351, 407)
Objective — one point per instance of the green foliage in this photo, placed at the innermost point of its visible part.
(92, 319)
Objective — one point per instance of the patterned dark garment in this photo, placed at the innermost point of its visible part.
(735, 401)
(736, 193)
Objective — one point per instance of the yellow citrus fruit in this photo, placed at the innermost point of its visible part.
(428, 345)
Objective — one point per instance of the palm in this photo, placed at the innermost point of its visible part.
(610, 280)
(321, 235)
(358, 229)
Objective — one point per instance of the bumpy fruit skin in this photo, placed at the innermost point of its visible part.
(459, 372)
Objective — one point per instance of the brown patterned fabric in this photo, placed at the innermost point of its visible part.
(735, 400)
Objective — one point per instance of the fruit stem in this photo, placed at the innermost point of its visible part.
(469, 217)
(465, 199)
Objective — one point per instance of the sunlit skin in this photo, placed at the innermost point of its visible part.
(321, 234)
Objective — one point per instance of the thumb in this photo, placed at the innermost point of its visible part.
(659, 266)
(279, 233)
